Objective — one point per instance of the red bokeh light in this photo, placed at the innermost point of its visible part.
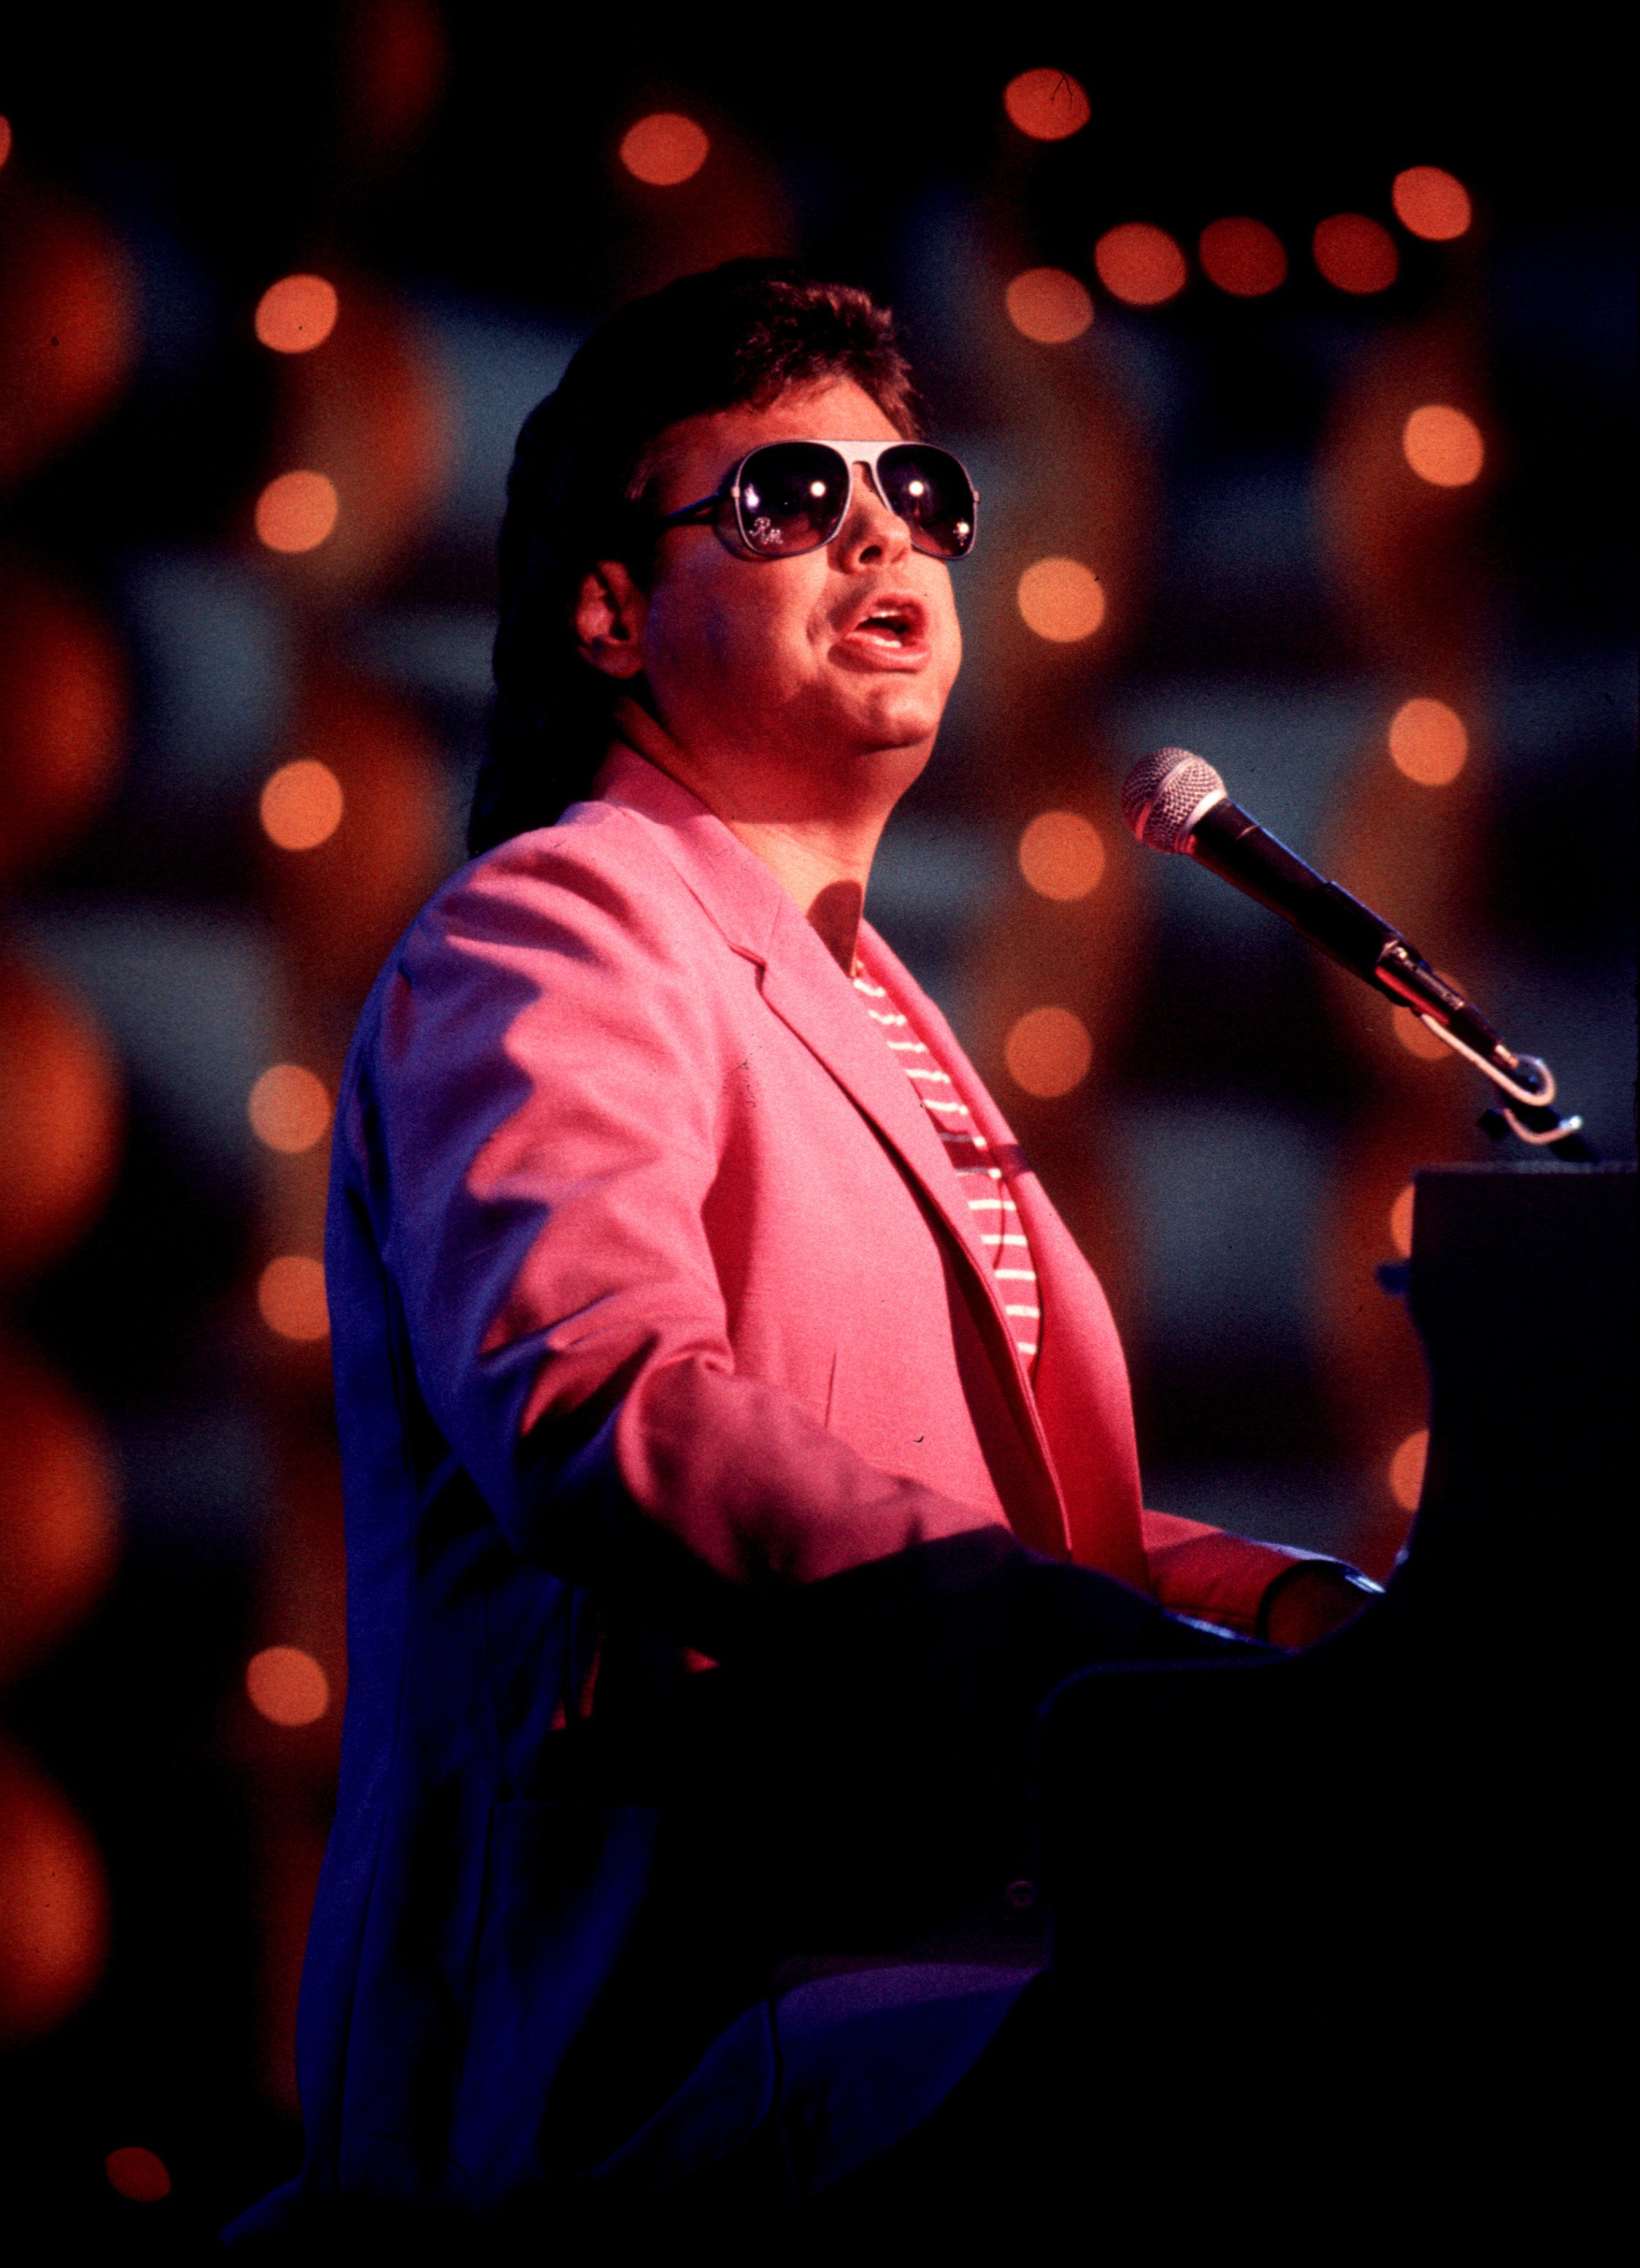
(1428, 742)
(1444, 446)
(665, 148)
(1048, 1052)
(137, 2174)
(297, 314)
(1406, 1470)
(1243, 257)
(1356, 254)
(1061, 599)
(1431, 202)
(302, 805)
(296, 511)
(1140, 264)
(53, 1903)
(290, 1294)
(1047, 105)
(1048, 305)
(287, 1686)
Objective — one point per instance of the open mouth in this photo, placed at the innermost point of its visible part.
(892, 623)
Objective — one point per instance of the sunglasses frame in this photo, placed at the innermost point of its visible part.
(851, 454)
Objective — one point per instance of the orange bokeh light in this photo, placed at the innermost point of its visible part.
(296, 511)
(289, 1109)
(1406, 1470)
(302, 804)
(1443, 445)
(1417, 1039)
(1400, 1222)
(1431, 202)
(287, 1686)
(1356, 254)
(297, 314)
(1061, 855)
(1427, 741)
(1061, 599)
(1243, 257)
(1049, 306)
(137, 2174)
(1047, 105)
(1048, 1052)
(1140, 264)
(665, 148)
(290, 1294)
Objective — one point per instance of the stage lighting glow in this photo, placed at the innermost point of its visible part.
(1061, 599)
(5, 139)
(287, 1686)
(1048, 1052)
(1419, 1039)
(302, 805)
(290, 1294)
(137, 2174)
(1243, 257)
(296, 511)
(1049, 306)
(297, 314)
(1428, 741)
(1356, 254)
(289, 1109)
(1406, 1470)
(664, 149)
(1061, 855)
(1431, 202)
(1047, 105)
(1400, 1222)
(1140, 264)
(1443, 445)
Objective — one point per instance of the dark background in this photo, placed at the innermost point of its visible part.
(1277, 583)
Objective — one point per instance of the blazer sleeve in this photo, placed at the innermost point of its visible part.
(534, 1129)
(1201, 1571)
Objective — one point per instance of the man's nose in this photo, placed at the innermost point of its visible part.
(871, 529)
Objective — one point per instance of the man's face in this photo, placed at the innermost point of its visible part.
(839, 660)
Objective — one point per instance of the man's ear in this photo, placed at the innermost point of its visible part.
(610, 617)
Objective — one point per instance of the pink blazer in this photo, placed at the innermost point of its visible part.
(658, 1186)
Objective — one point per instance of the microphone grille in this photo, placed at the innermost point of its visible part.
(1163, 793)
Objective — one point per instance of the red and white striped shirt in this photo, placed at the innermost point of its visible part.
(997, 1217)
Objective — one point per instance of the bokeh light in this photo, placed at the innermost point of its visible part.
(59, 1119)
(137, 2174)
(297, 314)
(287, 1686)
(54, 1902)
(1049, 306)
(296, 510)
(1047, 105)
(1356, 254)
(290, 1294)
(1443, 445)
(1243, 257)
(59, 1518)
(1417, 1039)
(1061, 855)
(1048, 1052)
(1140, 264)
(1406, 1470)
(665, 148)
(1061, 599)
(302, 805)
(5, 139)
(1428, 742)
(289, 1109)
(1431, 202)
(1400, 1222)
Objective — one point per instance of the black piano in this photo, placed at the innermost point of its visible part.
(1367, 1896)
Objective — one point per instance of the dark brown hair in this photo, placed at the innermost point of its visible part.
(741, 333)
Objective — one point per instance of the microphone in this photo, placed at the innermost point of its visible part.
(1174, 801)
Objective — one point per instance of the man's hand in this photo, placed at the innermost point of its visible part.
(1313, 1599)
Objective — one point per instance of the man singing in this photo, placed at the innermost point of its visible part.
(737, 1446)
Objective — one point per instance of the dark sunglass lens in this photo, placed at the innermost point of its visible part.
(792, 496)
(929, 488)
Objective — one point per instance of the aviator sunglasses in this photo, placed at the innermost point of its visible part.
(791, 496)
